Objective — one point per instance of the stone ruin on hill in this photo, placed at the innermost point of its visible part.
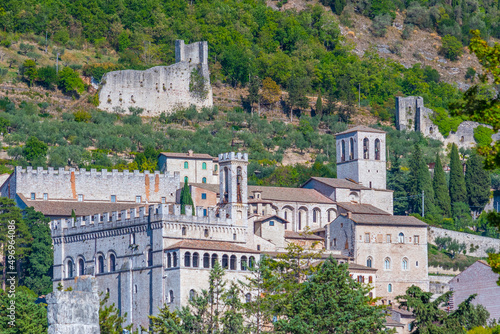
(411, 115)
(161, 88)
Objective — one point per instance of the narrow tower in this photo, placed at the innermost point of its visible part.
(361, 156)
(233, 185)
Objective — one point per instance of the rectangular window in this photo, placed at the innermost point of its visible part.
(80, 198)
(163, 200)
(113, 198)
(204, 212)
(33, 196)
(367, 237)
(416, 239)
(138, 199)
(388, 238)
(203, 196)
(271, 223)
(45, 196)
(335, 242)
(258, 247)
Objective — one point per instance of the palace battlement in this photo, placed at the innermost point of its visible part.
(231, 156)
(93, 172)
(139, 216)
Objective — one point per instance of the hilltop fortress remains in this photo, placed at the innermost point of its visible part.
(161, 88)
(411, 115)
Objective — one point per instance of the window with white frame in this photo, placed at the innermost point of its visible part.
(80, 198)
(45, 196)
(387, 263)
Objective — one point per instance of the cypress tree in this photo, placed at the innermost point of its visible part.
(478, 183)
(458, 191)
(186, 198)
(396, 181)
(419, 180)
(319, 106)
(442, 197)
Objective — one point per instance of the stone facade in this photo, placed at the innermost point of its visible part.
(74, 312)
(161, 88)
(481, 280)
(482, 243)
(411, 115)
(197, 168)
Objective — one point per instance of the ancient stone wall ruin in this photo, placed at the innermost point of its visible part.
(411, 115)
(161, 88)
(76, 311)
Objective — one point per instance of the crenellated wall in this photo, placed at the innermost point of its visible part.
(161, 88)
(93, 185)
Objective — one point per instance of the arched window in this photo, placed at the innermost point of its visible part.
(81, 267)
(184, 231)
(351, 149)
(369, 262)
(316, 215)
(248, 298)
(205, 233)
(251, 262)
(186, 165)
(377, 149)
(174, 259)
(331, 215)
(243, 263)
(214, 259)
(112, 262)
(206, 260)
(186, 179)
(169, 260)
(342, 156)
(387, 263)
(370, 279)
(192, 294)
(150, 257)
(204, 180)
(204, 165)
(225, 261)
(232, 262)
(366, 150)
(404, 264)
(389, 287)
(70, 268)
(196, 260)
(187, 259)
(239, 179)
(100, 264)
(171, 296)
(401, 238)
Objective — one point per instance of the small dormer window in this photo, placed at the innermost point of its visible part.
(258, 196)
(271, 223)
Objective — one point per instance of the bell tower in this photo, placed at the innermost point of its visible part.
(361, 156)
(233, 185)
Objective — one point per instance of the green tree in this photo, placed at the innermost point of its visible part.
(478, 184)
(458, 191)
(186, 199)
(29, 70)
(451, 47)
(110, 321)
(441, 193)
(430, 316)
(47, 76)
(165, 322)
(30, 318)
(69, 81)
(35, 149)
(38, 268)
(297, 89)
(253, 92)
(419, 180)
(396, 181)
(330, 298)
(319, 105)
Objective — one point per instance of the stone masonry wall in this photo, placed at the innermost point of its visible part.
(470, 239)
(74, 312)
(161, 88)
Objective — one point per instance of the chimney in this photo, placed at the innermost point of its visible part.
(349, 214)
(190, 153)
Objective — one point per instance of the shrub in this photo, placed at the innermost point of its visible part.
(470, 74)
(451, 47)
(482, 135)
(380, 24)
(407, 31)
(418, 16)
(445, 122)
(431, 75)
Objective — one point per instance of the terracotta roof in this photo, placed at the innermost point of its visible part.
(306, 236)
(285, 194)
(187, 156)
(392, 323)
(370, 219)
(361, 128)
(212, 246)
(321, 229)
(322, 256)
(355, 266)
(484, 262)
(207, 186)
(64, 208)
(338, 183)
(362, 208)
(402, 312)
